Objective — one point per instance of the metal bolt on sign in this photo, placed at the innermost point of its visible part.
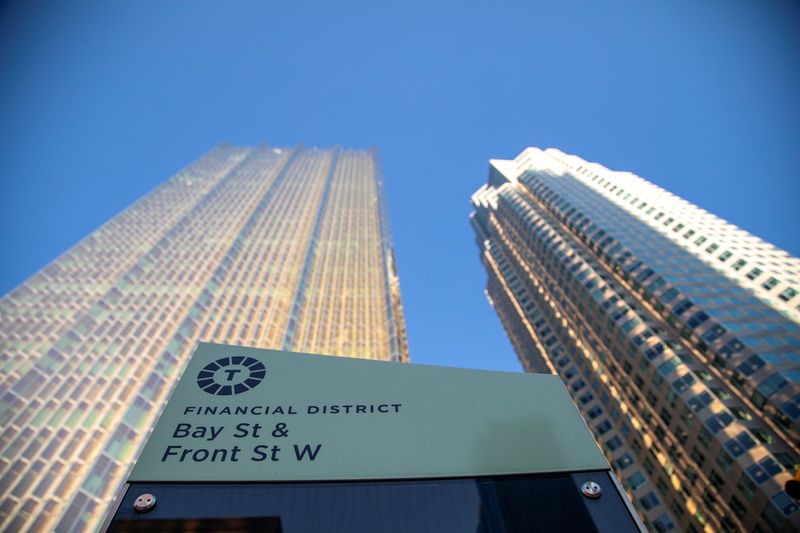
(592, 490)
(144, 503)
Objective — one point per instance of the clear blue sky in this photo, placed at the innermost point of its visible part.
(101, 101)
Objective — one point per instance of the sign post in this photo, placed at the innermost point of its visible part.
(306, 440)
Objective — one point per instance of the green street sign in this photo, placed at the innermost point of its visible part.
(247, 414)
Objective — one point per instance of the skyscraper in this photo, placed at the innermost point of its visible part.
(675, 332)
(259, 246)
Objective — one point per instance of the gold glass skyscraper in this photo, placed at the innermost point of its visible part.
(676, 333)
(259, 246)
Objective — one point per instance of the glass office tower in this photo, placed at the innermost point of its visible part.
(259, 246)
(675, 332)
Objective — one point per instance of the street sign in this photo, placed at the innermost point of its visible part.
(245, 414)
(272, 441)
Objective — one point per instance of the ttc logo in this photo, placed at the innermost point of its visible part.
(231, 375)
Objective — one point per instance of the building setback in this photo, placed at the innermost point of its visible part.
(258, 246)
(675, 332)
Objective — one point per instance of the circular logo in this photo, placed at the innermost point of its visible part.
(231, 375)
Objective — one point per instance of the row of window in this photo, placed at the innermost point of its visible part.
(578, 385)
(786, 295)
(667, 367)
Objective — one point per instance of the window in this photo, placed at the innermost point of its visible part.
(725, 462)
(792, 407)
(669, 221)
(663, 523)
(788, 294)
(763, 470)
(762, 436)
(697, 319)
(700, 240)
(654, 351)
(716, 480)
(700, 401)
(738, 507)
(691, 476)
(740, 444)
(782, 419)
(713, 334)
(697, 457)
(677, 509)
(684, 382)
(603, 427)
(719, 421)
(729, 526)
(770, 283)
(753, 274)
(649, 500)
(586, 398)
(662, 487)
(724, 256)
(708, 498)
(746, 488)
(669, 295)
(705, 376)
(731, 347)
(594, 412)
(636, 480)
(722, 394)
(741, 414)
(739, 264)
(668, 366)
(711, 249)
(704, 437)
(604, 399)
(625, 460)
(677, 227)
(689, 233)
(751, 365)
(771, 385)
(787, 505)
(701, 517)
(682, 307)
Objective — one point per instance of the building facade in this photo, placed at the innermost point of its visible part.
(676, 333)
(258, 246)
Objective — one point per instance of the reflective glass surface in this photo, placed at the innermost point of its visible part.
(487, 504)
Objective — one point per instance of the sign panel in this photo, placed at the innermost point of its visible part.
(247, 414)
